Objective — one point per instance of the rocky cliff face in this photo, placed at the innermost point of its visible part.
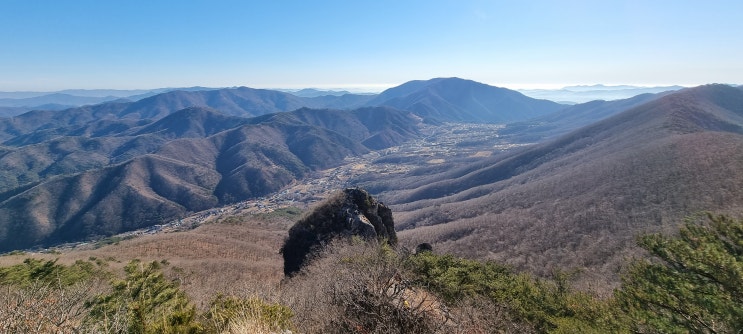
(351, 212)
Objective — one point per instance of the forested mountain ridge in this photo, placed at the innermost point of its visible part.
(112, 167)
(115, 166)
(579, 200)
(188, 161)
(441, 99)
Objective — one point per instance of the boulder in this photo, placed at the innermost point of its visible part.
(351, 212)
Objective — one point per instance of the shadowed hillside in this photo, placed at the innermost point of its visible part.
(43, 154)
(376, 127)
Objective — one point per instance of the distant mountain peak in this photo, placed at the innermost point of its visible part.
(460, 100)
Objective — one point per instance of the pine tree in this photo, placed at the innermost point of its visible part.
(144, 302)
(694, 284)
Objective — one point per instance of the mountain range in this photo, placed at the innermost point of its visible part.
(188, 161)
(111, 167)
(592, 177)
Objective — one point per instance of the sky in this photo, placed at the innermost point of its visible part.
(48, 45)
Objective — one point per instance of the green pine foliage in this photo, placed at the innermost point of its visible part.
(694, 284)
(35, 270)
(144, 302)
(542, 305)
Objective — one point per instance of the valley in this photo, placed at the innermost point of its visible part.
(568, 189)
(371, 167)
(446, 143)
(556, 202)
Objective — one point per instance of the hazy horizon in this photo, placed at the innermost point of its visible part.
(362, 89)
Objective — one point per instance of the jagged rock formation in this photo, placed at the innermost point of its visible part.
(351, 212)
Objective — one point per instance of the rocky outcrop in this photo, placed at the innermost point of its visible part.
(351, 212)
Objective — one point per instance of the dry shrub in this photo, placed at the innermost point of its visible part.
(251, 315)
(481, 316)
(358, 287)
(44, 307)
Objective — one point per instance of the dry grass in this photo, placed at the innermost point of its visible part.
(248, 325)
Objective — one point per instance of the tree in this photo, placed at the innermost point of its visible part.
(144, 302)
(523, 303)
(694, 283)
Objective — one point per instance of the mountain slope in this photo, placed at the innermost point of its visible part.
(189, 161)
(192, 122)
(458, 100)
(571, 118)
(345, 101)
(242, 102)
(579, 201)
(57, 151)
(13, 111)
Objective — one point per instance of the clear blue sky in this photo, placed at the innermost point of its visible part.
(56, 44)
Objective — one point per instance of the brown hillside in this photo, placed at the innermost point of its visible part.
(579, 201)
